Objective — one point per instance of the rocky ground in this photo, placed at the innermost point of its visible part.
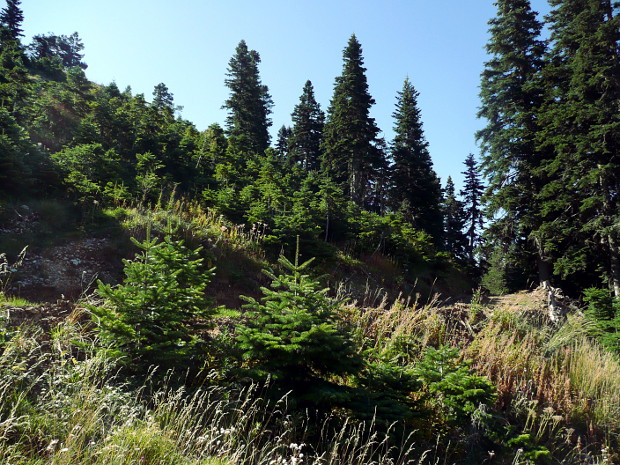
(66, 267)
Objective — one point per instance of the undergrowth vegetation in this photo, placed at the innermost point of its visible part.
(431, 383)
(62, 402)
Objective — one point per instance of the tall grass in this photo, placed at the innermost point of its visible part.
(61, 402)
(554, 385)
(191, 220)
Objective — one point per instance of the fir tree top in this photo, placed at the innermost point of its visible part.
(11, 18)
(249, 104)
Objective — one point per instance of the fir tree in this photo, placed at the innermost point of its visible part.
(452, 388)
(163, 101)
(307, 131)
(293, 335)
(66, 48)
(11, 18)
(416, 190)
(213, 146)
(512, 95)
(69, 50)
(454, 222)
(20, 161)
(581, 120)
(148, 318)
(249, 104)
(283, 142)
(352, 156)
(472, 200)
(13, 79)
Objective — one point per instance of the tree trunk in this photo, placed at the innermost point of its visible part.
(614, 275)
(544, 265)
(544, 272)
(326, 224)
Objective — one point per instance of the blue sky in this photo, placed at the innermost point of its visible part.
(187, 44)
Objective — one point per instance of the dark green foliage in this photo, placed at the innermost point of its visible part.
(163, 106)
(11, 18)
(88, 169)
(283, 142)
(455, 240)
(20, 161)
(44, 49)
(416, 191)
(529, 449)
(212, 149)
(249, 104)
(582, 75)
(494, 278)
(57, 117)
(604, 309)
(393, 235)
(386, 394)
(162, 97)
(307, 132)
(472, 205)
(512, 94)
(453, 390)
(148, 181)
(353, 157)
(293, 336)
(13, 79)
(153, 317)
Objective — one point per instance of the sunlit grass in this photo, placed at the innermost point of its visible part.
(62, 403)
(10, 301)
(191, 220)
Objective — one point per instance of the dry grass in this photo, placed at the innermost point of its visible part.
(193, 222)
(61, 404)
(553, 383)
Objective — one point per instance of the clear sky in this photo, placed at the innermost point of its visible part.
(187, 44)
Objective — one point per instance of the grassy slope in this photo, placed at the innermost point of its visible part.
(64, 241)
(556, 389)
(62, 403)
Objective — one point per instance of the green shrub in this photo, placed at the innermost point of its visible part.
(87, 168)
(150, 318)
(604, 309)
(452, 389)
(293, 336)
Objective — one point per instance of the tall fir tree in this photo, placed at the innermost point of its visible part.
(582, 124)
(162, 97)
(472, 200)
(163, 104)
(511, 95)
(249, 104)
(11, 18)
(455, 240)
(416, 190)
(352, 151)
(283, 142)
(307, 131)
(14, 78)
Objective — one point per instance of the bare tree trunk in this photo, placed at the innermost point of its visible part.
(544, 265)
(544, 272)
(614, 274)
(326, 224)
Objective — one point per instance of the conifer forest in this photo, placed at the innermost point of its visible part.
(172, 295)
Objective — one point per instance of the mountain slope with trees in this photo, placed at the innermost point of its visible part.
(360, 321)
